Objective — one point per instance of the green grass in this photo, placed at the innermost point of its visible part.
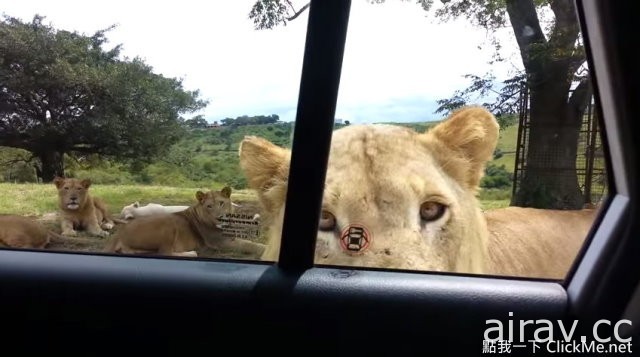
(492, 204)
(38, 199)
(507, 143)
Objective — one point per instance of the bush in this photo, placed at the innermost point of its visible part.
(103, 176)
(496, 177)
(497, 154)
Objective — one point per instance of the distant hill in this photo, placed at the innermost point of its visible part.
(205, 156)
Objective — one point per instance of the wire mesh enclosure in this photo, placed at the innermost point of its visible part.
(590, 160)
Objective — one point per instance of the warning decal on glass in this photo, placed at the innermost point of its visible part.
(239, 225)
(355, 238)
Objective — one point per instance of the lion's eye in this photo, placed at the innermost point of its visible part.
(327, 221)
(209, 206)
(431, 211)
(66, 188)
(221, 204)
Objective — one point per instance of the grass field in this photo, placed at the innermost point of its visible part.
(507, 143)
(38, 199)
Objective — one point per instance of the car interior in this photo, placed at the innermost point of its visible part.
(98, 303)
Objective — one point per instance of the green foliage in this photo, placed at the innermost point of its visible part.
(497, 153)
(197, 122)
(61, 92)
(16, 165)
(251, 120)
(496, 177)
(505, 104)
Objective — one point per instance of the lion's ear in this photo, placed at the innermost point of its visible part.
(58, 181)
(86, 183)
(226, 192)
(136, 204)
(471, 135)
(200, 196)
(263, 163)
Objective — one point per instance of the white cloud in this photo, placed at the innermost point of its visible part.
(397, 62)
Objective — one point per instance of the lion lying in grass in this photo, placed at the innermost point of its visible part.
(182, 233)
(136, 210)
(79, 210)
(26, 233)
(395, 198)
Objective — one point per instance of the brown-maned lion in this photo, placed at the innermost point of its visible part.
(182, 233)
(396, 198)
(26, 233)
(79, 210)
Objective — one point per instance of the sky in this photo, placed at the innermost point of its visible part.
(398, 58)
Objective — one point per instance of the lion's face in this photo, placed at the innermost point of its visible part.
(388, 203)
(213, 204)
(72, 193)
(127, 211)
(393, 198)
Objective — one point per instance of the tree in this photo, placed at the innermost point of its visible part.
(554, 72)
(197, 122)
(62, 93)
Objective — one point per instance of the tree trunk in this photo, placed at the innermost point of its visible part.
(52, 165)
(550, 178)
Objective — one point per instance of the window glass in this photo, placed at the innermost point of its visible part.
(485, 155)
(121, 125)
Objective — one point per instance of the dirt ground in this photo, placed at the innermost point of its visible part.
(95, 244)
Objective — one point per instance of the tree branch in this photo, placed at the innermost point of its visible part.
(581, 96)
(526, 28)
(297, 13)
(565, 30)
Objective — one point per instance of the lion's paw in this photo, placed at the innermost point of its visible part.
(70, 233)
(103, 234)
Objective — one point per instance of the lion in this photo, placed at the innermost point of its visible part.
(80, 210)
(532, 242)
(397, 198)
(136, 210)
(182, 233)
(26, 233)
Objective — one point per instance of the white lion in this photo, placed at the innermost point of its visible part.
(134, 210)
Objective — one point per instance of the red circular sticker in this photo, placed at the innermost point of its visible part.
(355, 238)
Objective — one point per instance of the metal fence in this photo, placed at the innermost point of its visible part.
(590, 159)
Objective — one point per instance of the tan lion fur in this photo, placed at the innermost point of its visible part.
(536, 243)
(378, 175)
(22, 232)
(26, 233)
(79, 210)
(181, 233)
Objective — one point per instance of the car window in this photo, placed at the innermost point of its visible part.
(120, 131)
(476, 150)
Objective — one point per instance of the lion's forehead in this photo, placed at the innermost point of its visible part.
(72, 183)
(380, 171)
